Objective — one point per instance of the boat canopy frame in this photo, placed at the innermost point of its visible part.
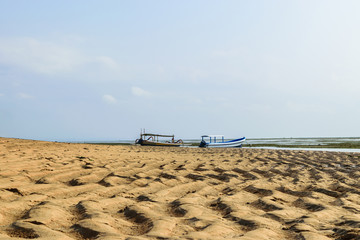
(156, 135)
(213, 137)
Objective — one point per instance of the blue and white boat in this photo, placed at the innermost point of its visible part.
(219, 141)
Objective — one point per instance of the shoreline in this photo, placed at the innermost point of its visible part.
(279, 143)
(264, 146)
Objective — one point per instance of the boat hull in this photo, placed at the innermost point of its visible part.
(160, 144)
(227, 144)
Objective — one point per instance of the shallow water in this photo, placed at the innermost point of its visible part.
(320, 144)
(312, 149)
(301, 141)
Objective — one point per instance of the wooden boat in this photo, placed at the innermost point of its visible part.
(149, 139)
(219, 141)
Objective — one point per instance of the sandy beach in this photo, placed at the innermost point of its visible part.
(65, 191)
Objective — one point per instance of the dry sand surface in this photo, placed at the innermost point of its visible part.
(78, 191)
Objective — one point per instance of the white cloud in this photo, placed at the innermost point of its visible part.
(107, 61)
(1, 94)
(109, 99)
(139, 92)
(47, 57)
(24, 96)
(40, 57)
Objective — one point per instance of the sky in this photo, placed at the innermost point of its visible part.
(101, 70)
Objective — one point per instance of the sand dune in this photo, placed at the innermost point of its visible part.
(79, 191)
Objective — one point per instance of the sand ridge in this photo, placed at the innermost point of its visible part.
(79, 191)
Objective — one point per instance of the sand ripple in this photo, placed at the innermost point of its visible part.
(79, 191)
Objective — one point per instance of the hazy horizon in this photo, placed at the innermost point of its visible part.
(91, 70)
(129, 140)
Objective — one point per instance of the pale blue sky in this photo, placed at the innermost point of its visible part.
(101, 70)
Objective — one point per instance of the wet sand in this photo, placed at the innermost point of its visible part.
(80, 191)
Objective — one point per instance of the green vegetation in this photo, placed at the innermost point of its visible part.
(109, 143)
(194, 144)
